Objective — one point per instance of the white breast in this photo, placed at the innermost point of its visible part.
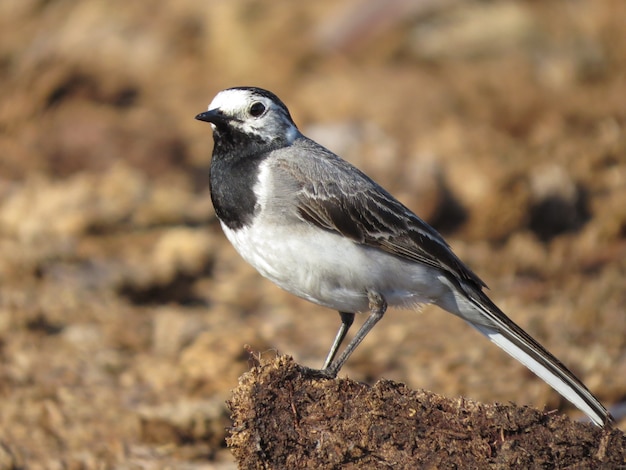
(331, 270)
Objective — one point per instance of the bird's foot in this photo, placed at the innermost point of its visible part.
(327, 373)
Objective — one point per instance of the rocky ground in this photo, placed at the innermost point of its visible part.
(125, 316)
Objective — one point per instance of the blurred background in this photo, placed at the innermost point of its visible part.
(126, 317)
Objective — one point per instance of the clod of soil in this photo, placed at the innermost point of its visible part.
(283, 417)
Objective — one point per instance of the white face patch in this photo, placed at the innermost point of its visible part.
(273, 122)
(232, 102)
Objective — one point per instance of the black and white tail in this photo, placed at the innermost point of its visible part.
(516, 342)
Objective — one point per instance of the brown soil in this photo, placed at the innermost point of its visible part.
(284, 418)
(124, 312)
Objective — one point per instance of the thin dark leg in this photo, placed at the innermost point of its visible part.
(378, 306)
(346, 322)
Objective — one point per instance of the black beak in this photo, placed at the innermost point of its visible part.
(213, 115)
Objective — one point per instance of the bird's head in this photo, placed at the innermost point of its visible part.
(251, 112)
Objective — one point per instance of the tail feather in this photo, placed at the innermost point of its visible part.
(519, 344)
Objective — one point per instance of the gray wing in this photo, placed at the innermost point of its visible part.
(335, 196)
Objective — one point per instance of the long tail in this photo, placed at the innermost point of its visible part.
(511, 338)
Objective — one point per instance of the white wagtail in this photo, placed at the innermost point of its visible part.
(321, 229)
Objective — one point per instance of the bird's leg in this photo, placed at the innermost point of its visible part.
(378, 306)
(346, 322)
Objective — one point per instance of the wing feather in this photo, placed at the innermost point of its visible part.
(337, 197)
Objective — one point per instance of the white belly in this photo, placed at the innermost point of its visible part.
(333, 271)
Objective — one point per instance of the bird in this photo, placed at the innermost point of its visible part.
(321, 229)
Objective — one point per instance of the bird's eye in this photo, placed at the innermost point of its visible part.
(257, 109)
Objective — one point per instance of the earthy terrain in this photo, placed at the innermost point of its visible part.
(286, 417)
(126, 318)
